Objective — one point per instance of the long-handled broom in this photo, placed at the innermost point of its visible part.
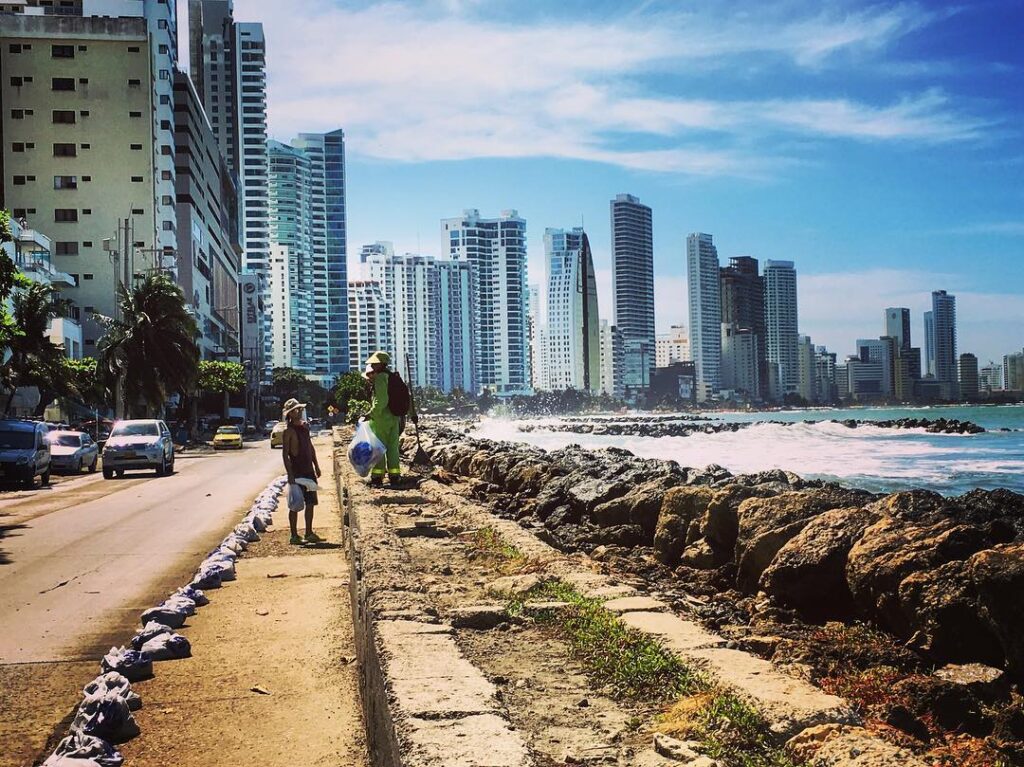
(421, 458)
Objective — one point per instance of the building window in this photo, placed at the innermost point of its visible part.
(86, 146)
(19, 181)
(18, 146)
(86, 211)
(133, 49)
(16, 82)
(133, 83)
(166, 175)
(63, 116)
(67, 249)
(65, 150)
(82, 48)
(86, 276)
(63, 83)
(14, 48)
(138, 212)
(83, 80)
(86, 178)
(136, 179)
(87, 244)
(65, 182)
(135, 114)
(167, 200)
(65, 215)
(136, 147)
(84, 113)
(168, 226)
(62, 51)
(17, 114)
(164, 50)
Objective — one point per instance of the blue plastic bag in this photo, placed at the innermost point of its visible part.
(366, 450)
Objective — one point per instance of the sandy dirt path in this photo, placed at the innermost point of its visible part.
(284, 627)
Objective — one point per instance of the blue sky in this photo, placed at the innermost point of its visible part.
(878, 145)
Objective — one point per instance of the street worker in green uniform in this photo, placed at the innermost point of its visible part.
(388, 392)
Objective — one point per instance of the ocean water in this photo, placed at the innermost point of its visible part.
(880, 460)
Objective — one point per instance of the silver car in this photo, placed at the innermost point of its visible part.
(140, 444)
(71, 451)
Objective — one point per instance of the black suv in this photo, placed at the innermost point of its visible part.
(24, 452)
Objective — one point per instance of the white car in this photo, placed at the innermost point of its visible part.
(140, 444)
(71, 451)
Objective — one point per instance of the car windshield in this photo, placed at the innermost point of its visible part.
(66, 440)
(144, 429)
(17, 439)
(228, 430)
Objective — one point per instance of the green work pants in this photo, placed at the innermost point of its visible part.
(386, 427)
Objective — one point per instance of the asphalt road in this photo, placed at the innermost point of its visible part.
(80, 561)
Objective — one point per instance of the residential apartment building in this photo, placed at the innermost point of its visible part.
(79, 151)
(929, 344)
(612, 361)
(495, 249)
(534, 328)
(807, 383)
(990, 376)
(1013, 372)
(574, 335)
(968, 376)
(372, 323)
(673, 346)
(741, 373)
(705, 313)
(870, 371)
(456, 326)
(632, 241)
(825, 375)
(209, 246)
(781, 326)
(742, 289)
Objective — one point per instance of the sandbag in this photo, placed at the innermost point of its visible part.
(105, 715)
(257, 522)
(167, 646)
(116, 683)
(131, 664)
(196, 595)
(225, 567)
(81, 750)
(207, 577)
(150, 630)
(366, 450)
(171, 615)
(248, 532)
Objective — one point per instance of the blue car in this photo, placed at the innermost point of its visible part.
(24, 452)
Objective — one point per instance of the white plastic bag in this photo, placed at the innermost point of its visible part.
(296, 498)
(366, 450)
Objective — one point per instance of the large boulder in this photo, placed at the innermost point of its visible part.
(998, 579)
(680, 507)
(809, 571)
(585, 495)
(766, 524)
(720, 525)
(640, 506)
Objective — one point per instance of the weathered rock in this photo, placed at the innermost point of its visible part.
(720, 524)
(479, 617)
(953, 707)
(679, 508)
(998, 578)
(513, 585)
(639, 506)
(584, 496)
(840, 745)
(673, 748)
(809, 571)
(766, 524)
(984, 682)
(701, 556)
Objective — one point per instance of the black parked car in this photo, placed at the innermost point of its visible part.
(24, 452)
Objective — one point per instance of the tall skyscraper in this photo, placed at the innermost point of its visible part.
(495, 249)
(705, 313)
(944, 314)
(807, 384)
(326, 153)
(968, 376)
(228, 67)
(781, 324)
(743, 308)
(633, 287)
(929, 344)
(574, 335)
(456, 326)
(897, 325)
(534, 326)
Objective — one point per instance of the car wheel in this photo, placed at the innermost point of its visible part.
(161, 469)
(170, 467)
(30, 483)
(92, 466)
(119, 473)
(78, 467)
(108, 474)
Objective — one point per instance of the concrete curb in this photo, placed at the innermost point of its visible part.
(425, 705)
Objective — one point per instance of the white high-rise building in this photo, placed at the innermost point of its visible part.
(740, 360)
(781, 324)
(705, 313)
(673, 346)
(283, 294)
(495, 249)
(371, 323)
(434, 327)
(1013, 372)
(612, 361)
(944, 324)
(534, 326)
(574, 335)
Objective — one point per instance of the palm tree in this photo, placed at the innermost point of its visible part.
(35, 360)
(151, 347)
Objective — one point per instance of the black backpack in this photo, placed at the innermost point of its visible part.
(398, 396)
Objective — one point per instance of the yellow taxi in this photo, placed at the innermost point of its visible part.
(277, 434)
(227, 437)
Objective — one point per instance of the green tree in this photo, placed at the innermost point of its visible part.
(216, 376)
(34, 359)
(350, 387)
(151, 348)
(85, 379)
(286, 383)
(10, 278)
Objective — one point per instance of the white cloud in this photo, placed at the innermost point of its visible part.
(430, 81)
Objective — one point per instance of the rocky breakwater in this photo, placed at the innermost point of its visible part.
(676, 426)
(944, 575)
